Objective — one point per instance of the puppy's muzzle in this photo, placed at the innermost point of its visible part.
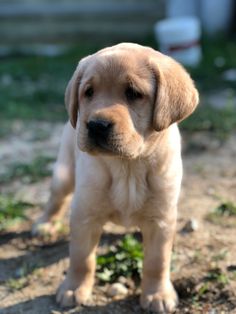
(99, 131)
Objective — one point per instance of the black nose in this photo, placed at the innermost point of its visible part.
(99, 129)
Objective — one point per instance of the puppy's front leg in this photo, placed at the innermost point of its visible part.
(158, 294)
(78, 284)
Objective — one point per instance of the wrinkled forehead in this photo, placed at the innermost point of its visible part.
(117, 65)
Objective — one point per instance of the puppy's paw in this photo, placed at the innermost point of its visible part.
(71, 294)
(48, 229)
(162, 301)
(41, 228)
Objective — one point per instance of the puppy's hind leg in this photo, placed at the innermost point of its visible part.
(62, 185)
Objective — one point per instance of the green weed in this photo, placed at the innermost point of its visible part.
(11, 211)
(206, 118)
(224, 214)
(215, 279)
(124, 259)
(17, 284)
(217, 275)
(28, 172)
(204, 288)
(226, 209)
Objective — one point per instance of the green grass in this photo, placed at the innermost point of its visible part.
(206, 118)
(208, 74)
(224, 214)
(11, 211)
(226, 209)
(215, 279)
(17, 284)
(218, 276)
(124, 259)
(28, 172)
(33, 87)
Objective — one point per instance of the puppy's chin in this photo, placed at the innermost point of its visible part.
(118, 151)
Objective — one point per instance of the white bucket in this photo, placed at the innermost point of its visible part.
(177, 8)
(180, 39)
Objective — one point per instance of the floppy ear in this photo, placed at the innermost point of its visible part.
(176, 95)
(71, 93)
(71, 98)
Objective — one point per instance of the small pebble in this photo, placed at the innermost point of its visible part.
(128, 282)
(191, 225)
(117, 289)
(122, 280)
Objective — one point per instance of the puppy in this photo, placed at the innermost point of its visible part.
(120, 156)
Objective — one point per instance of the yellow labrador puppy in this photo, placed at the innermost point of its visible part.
(120, 155)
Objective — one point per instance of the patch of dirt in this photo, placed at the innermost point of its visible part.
(204, 261)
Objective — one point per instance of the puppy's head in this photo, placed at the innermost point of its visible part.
(124, 94)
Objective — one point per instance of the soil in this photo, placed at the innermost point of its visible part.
(204, 260)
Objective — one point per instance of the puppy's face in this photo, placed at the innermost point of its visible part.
(121, 96)
(116, 96)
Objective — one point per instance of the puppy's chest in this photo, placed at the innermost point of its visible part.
(129, 189)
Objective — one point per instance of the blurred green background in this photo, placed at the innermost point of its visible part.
(42, 41)
(32, 87)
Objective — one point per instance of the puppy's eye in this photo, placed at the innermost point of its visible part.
(89, 92)
(132, 94)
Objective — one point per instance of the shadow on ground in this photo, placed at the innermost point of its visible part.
(46, 304)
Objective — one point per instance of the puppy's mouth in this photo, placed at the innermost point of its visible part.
(112, 148)
(106, 147)
(100, 137)
(101, 145)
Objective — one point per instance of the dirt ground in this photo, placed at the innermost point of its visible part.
(204, 260)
